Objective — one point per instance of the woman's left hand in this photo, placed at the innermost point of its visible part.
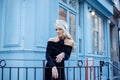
(60, 57)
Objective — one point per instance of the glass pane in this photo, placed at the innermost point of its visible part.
(98, 35)
(95, 34)
(62, 13)
(93, 24)
(65, 1)
(101, 36)
(72, 24)
(95, 42)
(96, 24)
(72, 3)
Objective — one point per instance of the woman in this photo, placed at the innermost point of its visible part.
(58, 49)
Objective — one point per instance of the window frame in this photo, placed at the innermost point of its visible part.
(99, 20)
(69, 10)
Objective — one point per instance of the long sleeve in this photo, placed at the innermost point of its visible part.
(67, 52)
(48, 55)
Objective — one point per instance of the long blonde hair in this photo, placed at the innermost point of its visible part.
(62, 24)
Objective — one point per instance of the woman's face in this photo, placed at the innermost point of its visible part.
(59, 31)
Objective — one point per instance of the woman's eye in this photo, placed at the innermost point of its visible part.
(56, 29)
(60, 29)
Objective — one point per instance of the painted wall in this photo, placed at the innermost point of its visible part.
(31, 20)
(26, 25)
(1, 8)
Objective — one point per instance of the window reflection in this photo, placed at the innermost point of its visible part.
(62, 13)
(72, 3)
(72, 25)
(64, 1)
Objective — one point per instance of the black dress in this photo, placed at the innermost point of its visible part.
(53, 49)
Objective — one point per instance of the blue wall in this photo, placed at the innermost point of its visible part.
(26, 25)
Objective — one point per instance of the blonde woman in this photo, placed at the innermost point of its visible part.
(58, 49)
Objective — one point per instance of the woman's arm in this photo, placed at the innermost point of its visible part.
(64, 55)
(68, 49)
(67, 53)
(48, 55)
(50, 61)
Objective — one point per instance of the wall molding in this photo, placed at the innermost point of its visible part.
(12, 23)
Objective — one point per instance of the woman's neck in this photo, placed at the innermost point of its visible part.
(61, 37)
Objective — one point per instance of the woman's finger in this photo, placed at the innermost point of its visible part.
(55, 75)
(58, 58)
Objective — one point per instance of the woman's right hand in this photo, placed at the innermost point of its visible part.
(54, 72)
(60, 57)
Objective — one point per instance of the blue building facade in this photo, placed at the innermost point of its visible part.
(26, 25)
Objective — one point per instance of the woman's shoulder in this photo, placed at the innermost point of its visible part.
(53, 39)
(69, 42)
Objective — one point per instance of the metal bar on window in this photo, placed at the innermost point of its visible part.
(80, 72)
(18, 74)
(98, 73)
(26, 73)
(35, 74)
(67, 73)
(2, 73)
(73, 73)
(90, 74)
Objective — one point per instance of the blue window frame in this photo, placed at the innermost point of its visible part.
(98, 33)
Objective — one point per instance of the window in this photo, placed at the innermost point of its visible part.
(97, 35)
(72, 3)
(68, 13)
